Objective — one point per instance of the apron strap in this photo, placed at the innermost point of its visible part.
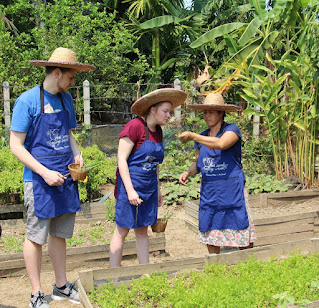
(146, 131)
(42, 99)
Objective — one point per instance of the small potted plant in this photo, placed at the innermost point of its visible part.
(161, 223)
(80, 173)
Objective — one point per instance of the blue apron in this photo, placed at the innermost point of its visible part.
(142, 167)
(222, 201)
(50, 146)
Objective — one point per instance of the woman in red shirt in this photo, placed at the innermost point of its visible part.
(140, 152)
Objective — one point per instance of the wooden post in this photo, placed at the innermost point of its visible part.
(6, 104)
(86, 98)
(256, 123)
(178, 110)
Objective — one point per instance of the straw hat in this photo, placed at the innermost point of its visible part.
(64, 57)
(174, 96)
(214, 101)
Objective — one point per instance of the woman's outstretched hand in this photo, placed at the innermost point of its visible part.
(186, 136)
(183, 177)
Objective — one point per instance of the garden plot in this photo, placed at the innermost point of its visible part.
(13, 215)
(97, 278)
(276, 229)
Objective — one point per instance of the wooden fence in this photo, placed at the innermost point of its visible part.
(127, 100)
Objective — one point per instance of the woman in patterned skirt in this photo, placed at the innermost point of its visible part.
(224, 215)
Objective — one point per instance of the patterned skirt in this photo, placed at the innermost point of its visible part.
(231, 237)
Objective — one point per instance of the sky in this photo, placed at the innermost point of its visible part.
(187, 3)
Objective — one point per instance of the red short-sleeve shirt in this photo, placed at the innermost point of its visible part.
(135, 130)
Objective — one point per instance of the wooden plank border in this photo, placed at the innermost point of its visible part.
(98, 277)
(90, 213)
(270, 230)
(13, 264)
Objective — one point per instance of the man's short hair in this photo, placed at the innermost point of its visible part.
(50, 69)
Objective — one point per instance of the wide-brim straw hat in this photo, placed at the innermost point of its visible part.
(214, 101)
(64, 57)
(174, 96)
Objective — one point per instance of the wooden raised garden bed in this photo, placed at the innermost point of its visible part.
(13, 264)
(90, 212)
(270, 230)
(97, 277)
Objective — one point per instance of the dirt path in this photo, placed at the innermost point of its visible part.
(180, 243)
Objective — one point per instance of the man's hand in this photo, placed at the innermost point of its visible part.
(53, 178)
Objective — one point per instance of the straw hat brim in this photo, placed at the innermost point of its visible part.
(174, 96)
(80, 67)
(218, 107)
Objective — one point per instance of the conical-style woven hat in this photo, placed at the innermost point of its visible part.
(174, 96)
(64, 57)
(214, 101)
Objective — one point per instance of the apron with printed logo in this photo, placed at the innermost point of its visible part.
(143, 172)
(222, 201)
(50, 146)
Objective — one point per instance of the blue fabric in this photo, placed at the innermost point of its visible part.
(222, 201)
(50, 145)
(142, 167)
(26, 111)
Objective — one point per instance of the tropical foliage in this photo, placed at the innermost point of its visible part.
(262, 53)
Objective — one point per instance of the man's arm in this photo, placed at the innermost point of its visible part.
(52, 178)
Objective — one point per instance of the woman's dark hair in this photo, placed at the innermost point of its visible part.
(50, 69)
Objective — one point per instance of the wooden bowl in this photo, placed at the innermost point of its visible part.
(160, 226)
(76, 173)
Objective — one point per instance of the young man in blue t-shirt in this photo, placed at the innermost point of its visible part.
(42, 140)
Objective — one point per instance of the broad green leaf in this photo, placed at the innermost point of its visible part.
(263, 68)
(250, 31)
(300, 126)
(216, 32)
(251, 111)
(169, 62)
(273, 35)
(159, 22)
(231, 44)
(304, 3)
(250, 93)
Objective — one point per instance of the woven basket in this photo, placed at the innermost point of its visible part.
(76, 173)
(160, 226)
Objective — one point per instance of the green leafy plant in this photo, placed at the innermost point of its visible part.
(246, 284)
(11, 171)
(260, 183)
(12, 243)
(75, 241)
(110, 209)
(90, 165)
(97, 176)
(167, 216)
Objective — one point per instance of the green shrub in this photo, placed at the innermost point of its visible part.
(104, 173)
(11, 171)
(110, 209)
(178, 159)
(260, 183)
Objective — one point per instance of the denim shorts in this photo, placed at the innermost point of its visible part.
(38, 228)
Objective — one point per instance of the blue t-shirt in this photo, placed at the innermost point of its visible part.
(26, 111)
(236, 148)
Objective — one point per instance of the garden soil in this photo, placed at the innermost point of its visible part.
(181, 243)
